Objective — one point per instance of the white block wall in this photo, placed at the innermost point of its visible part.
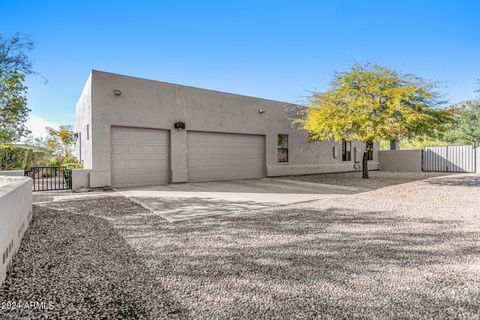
(15, 216)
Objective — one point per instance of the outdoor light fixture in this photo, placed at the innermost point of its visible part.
(180, 125)
(261, 111)
(117, 92)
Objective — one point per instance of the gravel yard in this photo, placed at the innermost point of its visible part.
(379, 179)
(81, 264)
(403, 251)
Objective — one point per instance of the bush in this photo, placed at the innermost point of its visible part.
(67, 172)
(71, 166)
(70, 160)
(27, 160)
(15, 158)
(41, 158)
(54, 162)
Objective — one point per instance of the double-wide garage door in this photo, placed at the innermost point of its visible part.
(141, 156)
(223, 156)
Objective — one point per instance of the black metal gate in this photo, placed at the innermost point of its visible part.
(50, 178)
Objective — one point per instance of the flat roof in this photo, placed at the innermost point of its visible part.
(196, 88)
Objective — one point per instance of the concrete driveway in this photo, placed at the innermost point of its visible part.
(177, 202)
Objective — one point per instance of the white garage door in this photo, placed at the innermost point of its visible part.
(222, 156)
(140, 157)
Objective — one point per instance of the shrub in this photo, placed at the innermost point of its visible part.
(27, 160)
(70, 159)
(54, 162)
(41, 158)
(15, 157)
(71, 166)
(67, 173)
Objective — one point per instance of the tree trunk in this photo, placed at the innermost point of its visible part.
(368, 147)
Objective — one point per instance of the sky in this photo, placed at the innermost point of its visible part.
(281, 50)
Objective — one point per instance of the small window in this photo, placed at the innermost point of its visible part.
(88, 132)
(334, 152)
(370, 154)
(283, 148)
(80, 146)
(346, 150)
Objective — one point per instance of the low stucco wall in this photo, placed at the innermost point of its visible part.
(477, 158)
(16, 173)
(15, 216)
(80, 178)
(401, 160)
(286, 170)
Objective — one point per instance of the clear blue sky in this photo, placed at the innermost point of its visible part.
(271, 49)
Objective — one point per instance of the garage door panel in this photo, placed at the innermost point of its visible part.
(118, 148)
(139, 156)
(222, 156)
(119, 134)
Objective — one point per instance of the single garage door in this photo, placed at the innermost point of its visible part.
(140, 157)
(224, 156)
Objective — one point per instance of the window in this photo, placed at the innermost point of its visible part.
(370, 154)
(346, 150)
(334, 152)
(80, 146)
(283, 148)
(88, 132)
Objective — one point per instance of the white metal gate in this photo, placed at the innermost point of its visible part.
(449, 159)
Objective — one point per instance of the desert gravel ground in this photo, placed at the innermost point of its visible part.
(80, 264)
(406, 251)
(379, 179)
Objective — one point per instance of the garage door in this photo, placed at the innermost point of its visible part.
(222, 156)
(139, 157)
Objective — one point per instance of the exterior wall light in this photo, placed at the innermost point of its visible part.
(179, 125)
(261, 111)
(117, 92)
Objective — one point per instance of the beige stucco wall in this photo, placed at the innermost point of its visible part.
(17, 173)
(84, 120)
(15, 217)
(477, 160)
(158, 105)
(80, 179)
(401, 160)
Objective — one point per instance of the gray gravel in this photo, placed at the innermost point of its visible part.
(378, 179)
(81, 265)
(405, 251)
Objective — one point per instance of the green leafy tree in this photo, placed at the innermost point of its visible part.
(467, 125)
(15, 64)
(371, 103)
(61, 141)
(13, 107)
(38, 142)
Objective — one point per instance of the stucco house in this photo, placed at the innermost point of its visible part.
(135, 132)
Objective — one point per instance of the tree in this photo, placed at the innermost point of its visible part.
(38, 142)
(371, 103)
(13, 56)
(467, 125)
(13, 107)
(61, 141)
(14, 66)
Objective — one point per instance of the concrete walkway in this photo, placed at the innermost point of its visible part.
(177, 202)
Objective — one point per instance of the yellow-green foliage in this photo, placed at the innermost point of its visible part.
(414, 144)
(14, 157)
(372, 103)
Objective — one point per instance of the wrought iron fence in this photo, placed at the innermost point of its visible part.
(50, 178)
